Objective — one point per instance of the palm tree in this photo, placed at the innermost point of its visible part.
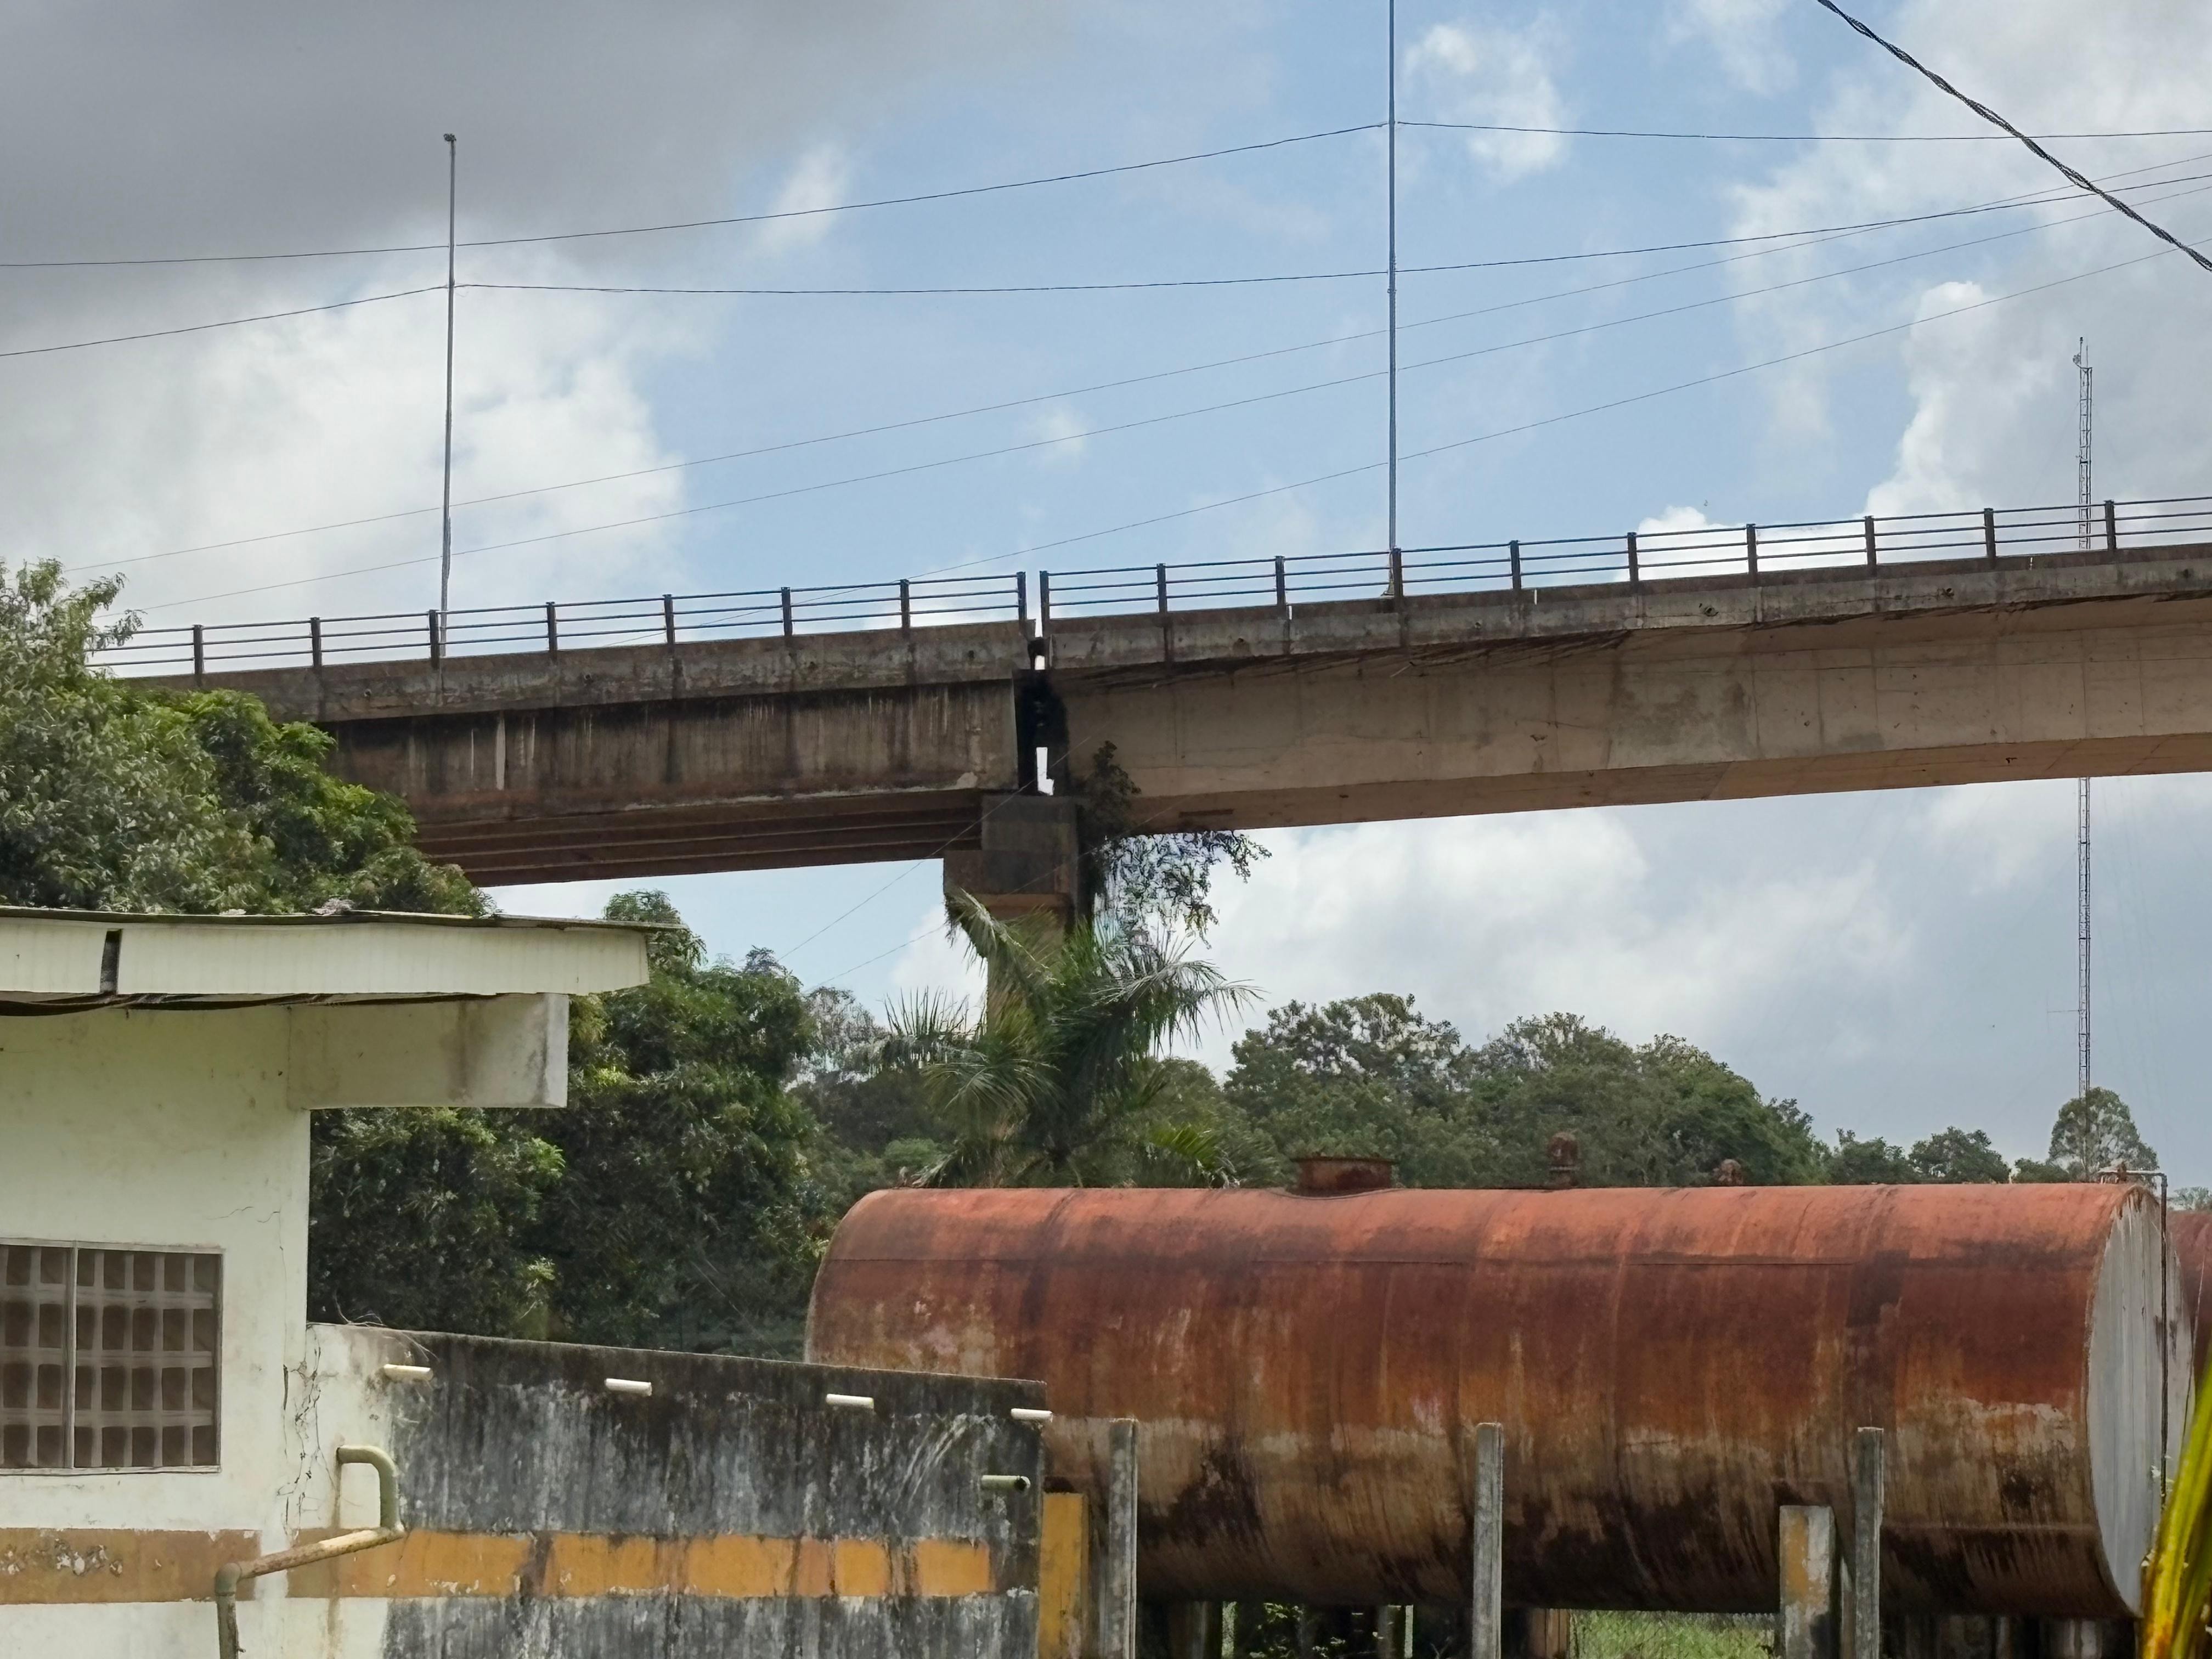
(1058, 1080)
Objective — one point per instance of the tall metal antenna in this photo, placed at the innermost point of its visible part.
(445, 509)
(2082, 840)
(1394, 277)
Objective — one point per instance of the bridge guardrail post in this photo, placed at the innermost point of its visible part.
(199, 652)
(2111, 529)
(1513, 553)
(1634, 574)
(1021, 599)
(668, 619)
(1160, 586)
(905, 606)
(1397, 576)
(1990, 531)
(787, 629)
(437, 641)
(1750, 550)
(315, 642)
(552, 628)
(1282, 586)
(1044, 600)
(1869, 541)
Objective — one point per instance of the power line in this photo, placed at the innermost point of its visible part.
(1303, 483)
(1137, 379)
(978, 288)
(1798, 137)
(227, 322)
(1990, 115)
(700, 224)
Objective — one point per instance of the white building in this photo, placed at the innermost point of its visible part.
(156, 1371)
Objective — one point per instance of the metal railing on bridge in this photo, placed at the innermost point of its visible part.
(1635, 557)
(666, 619)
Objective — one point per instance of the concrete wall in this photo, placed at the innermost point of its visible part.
(731, 1511)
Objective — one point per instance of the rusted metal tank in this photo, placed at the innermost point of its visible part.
(1669, 1365)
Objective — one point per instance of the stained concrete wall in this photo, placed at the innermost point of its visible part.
(732, 1510)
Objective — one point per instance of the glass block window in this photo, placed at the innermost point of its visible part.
(107, 1358)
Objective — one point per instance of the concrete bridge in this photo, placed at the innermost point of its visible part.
(553, 762)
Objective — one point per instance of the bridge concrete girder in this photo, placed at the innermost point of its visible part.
(1805, 682)
(636, 761)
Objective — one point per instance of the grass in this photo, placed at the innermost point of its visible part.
(1673, 1636)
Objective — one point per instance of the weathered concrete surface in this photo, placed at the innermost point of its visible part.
(1825, 679)
(849, 748)
(731, 1511)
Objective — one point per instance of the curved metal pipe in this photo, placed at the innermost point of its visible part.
(387, 1530)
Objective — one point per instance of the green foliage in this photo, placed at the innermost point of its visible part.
(672, 1203)
(1058, 1080)
(1955, 1157)
(1137, 880)
(1370, 1075)
(426, 1219)
(2094, 1131)
(118, 796)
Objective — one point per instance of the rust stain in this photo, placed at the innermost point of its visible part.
(111, 1565)
(87, 1565)
(1669, 1365)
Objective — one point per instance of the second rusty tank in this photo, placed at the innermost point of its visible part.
(1669, 1366)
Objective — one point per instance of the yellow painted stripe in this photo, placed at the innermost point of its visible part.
(87, 1565)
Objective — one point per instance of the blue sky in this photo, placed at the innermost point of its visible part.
(1897, 963)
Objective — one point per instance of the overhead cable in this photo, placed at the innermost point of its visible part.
(700, 224)
(227, 322)
(2078, 178)
(1277, 489)
(1798, 137)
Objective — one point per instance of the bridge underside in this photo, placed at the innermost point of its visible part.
(846, 749)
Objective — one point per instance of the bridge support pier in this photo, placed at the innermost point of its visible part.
(1029, 865)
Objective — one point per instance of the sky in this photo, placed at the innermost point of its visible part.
(1896, 962)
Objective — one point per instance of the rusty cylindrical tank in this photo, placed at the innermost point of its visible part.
(1669, 1365)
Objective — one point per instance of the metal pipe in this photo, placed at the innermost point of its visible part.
(387, 1530)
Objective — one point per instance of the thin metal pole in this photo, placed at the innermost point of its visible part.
(446, 543)
(1394, 274)
(2085, 498)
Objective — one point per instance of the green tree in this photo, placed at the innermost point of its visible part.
(1059, 1079)
(1871, 1163)
(1372, 1075)
(1959, 1157)
(2095, 1131)
(116, 795)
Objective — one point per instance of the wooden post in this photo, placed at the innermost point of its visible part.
(1115, 1573)
(1486, 1619)
(1869, 1481)
(1805, 1627)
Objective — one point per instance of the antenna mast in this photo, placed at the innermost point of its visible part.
(446, 508)
(1394, 281)
(2081, 841)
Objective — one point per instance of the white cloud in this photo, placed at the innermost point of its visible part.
(1062, 432)
(821, 178)
(1494, 77)
(1488, 919)
(1743, 38)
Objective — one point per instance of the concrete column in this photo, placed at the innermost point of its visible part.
(1028, 865)
(1392, 1626)
(1544, 1633)
(1114, 1566)
(1485, 1622)
(1806, 1546)
(1869, 1481)
(1195, 1629)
